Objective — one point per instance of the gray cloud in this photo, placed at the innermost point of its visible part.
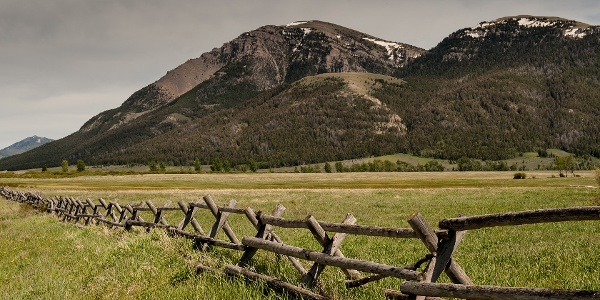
(64, 61)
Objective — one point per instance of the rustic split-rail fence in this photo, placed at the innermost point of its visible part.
(440, 244)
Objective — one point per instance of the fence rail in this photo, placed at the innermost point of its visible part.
(440, 243)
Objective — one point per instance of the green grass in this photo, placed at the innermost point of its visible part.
(41, 257)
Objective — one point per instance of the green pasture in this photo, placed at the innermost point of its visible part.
(43, 258)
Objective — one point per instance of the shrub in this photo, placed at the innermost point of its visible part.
(80, 165)
(520, 176)
(153, 166)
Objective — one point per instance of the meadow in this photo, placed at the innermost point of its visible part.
(41, 257)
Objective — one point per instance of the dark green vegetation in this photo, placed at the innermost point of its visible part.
(515, 90)
(40, 257)
(488, 93)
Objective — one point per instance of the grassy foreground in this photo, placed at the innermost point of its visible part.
(40, 257)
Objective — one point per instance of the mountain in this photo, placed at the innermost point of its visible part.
(314, 91)
(507, 86)
(256, 62)
(24, 145)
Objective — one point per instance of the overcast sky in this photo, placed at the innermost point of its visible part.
(64, 61)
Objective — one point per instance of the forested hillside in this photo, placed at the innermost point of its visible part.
(503, 87)
(490, 92)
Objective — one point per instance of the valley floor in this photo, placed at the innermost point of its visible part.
(41, 257)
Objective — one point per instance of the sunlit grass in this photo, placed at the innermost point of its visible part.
(55, 260)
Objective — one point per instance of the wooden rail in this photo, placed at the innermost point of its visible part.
(550, 215)
(440, 244)
(494, 292)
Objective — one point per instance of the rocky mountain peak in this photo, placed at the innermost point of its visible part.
(260, 60)
(520, 23)
(24, 145)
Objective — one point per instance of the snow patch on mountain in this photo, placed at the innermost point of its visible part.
(295, 23)
(575, 32)
(535, 23)
(390, 46)
(573, 29)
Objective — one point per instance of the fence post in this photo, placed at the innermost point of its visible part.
(189, 212)
(430, 239)
(215, 211)
(330, 246)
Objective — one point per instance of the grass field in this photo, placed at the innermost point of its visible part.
(40, 257)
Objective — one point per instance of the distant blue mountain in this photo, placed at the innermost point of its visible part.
(24, 145)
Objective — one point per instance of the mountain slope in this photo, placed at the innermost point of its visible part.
(325, 117)
(490, 91)
(24, 145)
(507, 86)
(255, 62)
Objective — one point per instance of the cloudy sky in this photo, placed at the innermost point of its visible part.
(64, 61)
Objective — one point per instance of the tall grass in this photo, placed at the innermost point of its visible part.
(40, 257)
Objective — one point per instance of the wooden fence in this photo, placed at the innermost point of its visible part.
(440, 244)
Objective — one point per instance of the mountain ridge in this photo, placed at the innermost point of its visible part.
(475, 94)
(24, 145)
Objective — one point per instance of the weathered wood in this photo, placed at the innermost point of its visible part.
(330, 247)
(282, 222)
(85, 215)
(430, 239)
(522, 217)
(189, 217)
(167, 208)
(444, 258)
(251, 215)
(423, 231)
(134, 217)
(200, 240)
(206, 240)
(215, 211)
(186, 219)
(142, 208)
(117, 206)
(336, 261)
(200, 268)
(232, 210)
(398, 295)
(261, 232)
(149, 225)
(108, 212)
(157, 214)
(79, 208)
(103, 203)
(493, 292)
(277, 212)
(221, 219)
(362, 281)
(320, 235)
(273, 283)
(348, 228)
(90, 203)
(111, 222)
